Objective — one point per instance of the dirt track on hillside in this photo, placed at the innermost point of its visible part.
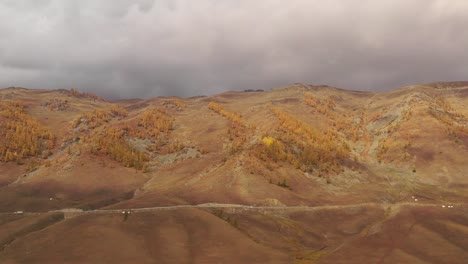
(240, 207)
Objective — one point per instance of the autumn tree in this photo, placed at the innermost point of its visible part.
(22, 136)
(237, 131)
(304, 146)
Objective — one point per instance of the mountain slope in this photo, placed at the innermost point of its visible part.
(381, 167)
(297, 145)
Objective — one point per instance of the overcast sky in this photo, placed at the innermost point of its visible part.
(143, 48)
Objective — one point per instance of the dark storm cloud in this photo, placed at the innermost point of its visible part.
(149, 48)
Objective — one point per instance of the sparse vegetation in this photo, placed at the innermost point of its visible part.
(322, 106)
(226, 217)
(237, 131)
(232, 116)
(178, 103)
(75, 93)
(455, 122)
(100, 116)
(337, 122)
(56, 105)
(283, 184)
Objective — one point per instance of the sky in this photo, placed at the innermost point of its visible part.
(143, 48)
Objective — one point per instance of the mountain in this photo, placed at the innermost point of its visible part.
(324, 175)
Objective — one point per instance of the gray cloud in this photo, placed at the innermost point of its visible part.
(148, 48)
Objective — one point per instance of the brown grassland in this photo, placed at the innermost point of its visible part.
(374, 172)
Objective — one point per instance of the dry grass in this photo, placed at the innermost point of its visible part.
(380, 147)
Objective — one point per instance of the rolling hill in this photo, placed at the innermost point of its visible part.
(355, 177)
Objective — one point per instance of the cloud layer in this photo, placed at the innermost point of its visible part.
(142, 48)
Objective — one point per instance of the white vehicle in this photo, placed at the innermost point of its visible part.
(19, 212)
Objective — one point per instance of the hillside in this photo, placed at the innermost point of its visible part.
(300, 145)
